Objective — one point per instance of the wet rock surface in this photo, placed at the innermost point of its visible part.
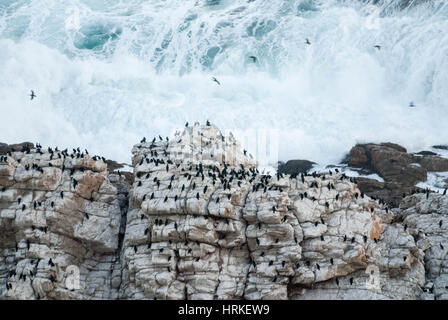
(400, 170)
(57, 210)
(426, 219)
(295, 167)
(196, 220)
(215, 228)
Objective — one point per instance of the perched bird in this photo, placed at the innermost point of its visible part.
(411, 104)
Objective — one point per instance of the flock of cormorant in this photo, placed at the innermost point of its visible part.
(227, 177)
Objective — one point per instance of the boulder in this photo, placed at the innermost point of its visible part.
(441, 147)
(5, 148)
(434, 163)
(294, 167)
(400, 170)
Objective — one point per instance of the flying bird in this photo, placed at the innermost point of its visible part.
(254, 58)
(378, 47)
(307, 41)
(216, 80)
(32, 95)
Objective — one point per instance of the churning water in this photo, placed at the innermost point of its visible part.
(106, 73)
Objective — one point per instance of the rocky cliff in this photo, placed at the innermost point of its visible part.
(197, 220)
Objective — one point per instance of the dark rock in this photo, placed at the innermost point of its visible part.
(400, 170)
(393, 146)
(367, 185)
(5, 148)
(441, 147)
(294, 167)
(114, 167)
(390, 192)
(434, 163)
(358, 157)
(427, 153)
(389, 160)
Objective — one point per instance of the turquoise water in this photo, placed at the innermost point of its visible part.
(109, 72)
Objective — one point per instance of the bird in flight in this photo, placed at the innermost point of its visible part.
(307, 41)
(32, 95)
(254, 58)
(216, 80)
(378, 47)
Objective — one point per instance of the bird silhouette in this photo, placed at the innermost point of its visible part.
(411, 104)
(216, 80)
(378, 47)
(307, 41)
(254, 58)
(32, 95)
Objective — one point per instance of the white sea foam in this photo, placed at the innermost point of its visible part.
(142, 68)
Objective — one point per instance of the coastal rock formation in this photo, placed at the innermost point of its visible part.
(426, 218)
(400, 170)
(295, 167)
(197, 220)
(203, 223)
(60, 216)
